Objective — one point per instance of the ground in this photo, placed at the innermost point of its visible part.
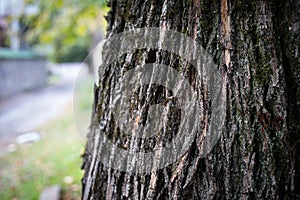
(27, 111)
(27, 169)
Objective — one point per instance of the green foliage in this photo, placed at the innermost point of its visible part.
(76, 52)
(66, 25)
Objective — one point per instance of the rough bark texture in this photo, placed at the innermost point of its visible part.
(256, 46)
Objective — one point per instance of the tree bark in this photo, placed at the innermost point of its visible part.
(255, 45)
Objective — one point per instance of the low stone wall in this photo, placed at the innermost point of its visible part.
(20, 75)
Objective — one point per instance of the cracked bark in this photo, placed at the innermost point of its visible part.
(256, 46)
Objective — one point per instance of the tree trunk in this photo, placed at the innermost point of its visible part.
(255, 46)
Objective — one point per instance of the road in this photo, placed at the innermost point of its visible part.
(27, 111)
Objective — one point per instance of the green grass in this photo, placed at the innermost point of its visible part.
(26, 172)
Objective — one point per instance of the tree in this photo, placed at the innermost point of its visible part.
(65, 26)
(255, 45)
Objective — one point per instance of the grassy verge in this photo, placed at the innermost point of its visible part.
(55, 159)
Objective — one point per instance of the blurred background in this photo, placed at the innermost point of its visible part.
(49, 55)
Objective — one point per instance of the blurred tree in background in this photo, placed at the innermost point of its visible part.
(66, 29)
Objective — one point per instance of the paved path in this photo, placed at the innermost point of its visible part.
(26, 112)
